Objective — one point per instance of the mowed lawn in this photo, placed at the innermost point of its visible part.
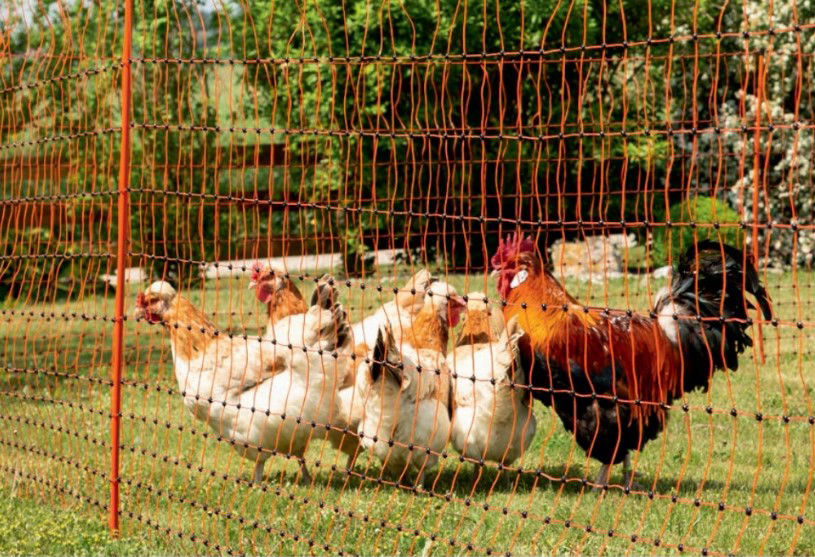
(718, 483)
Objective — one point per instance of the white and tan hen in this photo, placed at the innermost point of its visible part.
(237, 387)
(493, 420)
(405, 414)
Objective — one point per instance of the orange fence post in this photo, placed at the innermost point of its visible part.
(757, 179)
(123, 237)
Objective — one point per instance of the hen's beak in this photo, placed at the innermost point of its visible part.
(141, 303)
(495, 274)
(253, 284)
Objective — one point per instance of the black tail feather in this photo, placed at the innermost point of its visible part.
(714, 259)
(708, 291)
(380, 364)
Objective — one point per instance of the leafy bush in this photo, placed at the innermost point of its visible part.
(40, 265)
(699, 210)
(784, 179)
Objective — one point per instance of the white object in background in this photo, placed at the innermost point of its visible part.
(133, 275)
(292, 263)
(662, 272)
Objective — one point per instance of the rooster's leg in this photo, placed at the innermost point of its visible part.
(257, 477)
(629, 474)
(602, 477)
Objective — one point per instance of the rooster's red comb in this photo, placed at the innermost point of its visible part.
(141, 301)
(509, 249)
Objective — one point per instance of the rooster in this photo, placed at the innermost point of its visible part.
(493, 419)
(609, 375)
(236, 385)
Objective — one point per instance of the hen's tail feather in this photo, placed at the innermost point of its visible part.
(380, 362)
(327, 320)
(325, 293)
(705, 311)
(342, 327)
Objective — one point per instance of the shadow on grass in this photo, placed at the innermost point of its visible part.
(470, 481)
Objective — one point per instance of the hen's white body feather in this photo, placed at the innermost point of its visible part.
(263, 415)
(492, 420)
(409, 414)
(248, 391)
(399, 319)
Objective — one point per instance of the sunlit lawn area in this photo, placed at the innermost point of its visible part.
(721, 483)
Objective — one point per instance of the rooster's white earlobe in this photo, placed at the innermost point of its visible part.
(519, 278)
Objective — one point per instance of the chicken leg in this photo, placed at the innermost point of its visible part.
(257, 477)
(629, 474)
(304, 472)
(602, 476)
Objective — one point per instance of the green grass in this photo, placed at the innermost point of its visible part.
(180, 488)
(28, 527)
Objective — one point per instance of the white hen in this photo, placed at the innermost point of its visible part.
(398, 313)
(404, 412)
(236, 386)
(492, 420)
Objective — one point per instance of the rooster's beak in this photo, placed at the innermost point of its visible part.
(253, 284)
(495, 274)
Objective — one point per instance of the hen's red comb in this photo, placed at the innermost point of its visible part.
(257, 271)
(141, 301)
(511, 248)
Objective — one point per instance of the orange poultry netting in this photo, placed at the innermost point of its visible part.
(411, 277)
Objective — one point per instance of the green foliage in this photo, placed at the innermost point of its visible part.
(378, 94)
(670, 242)
(40, 264)
(181, 177)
